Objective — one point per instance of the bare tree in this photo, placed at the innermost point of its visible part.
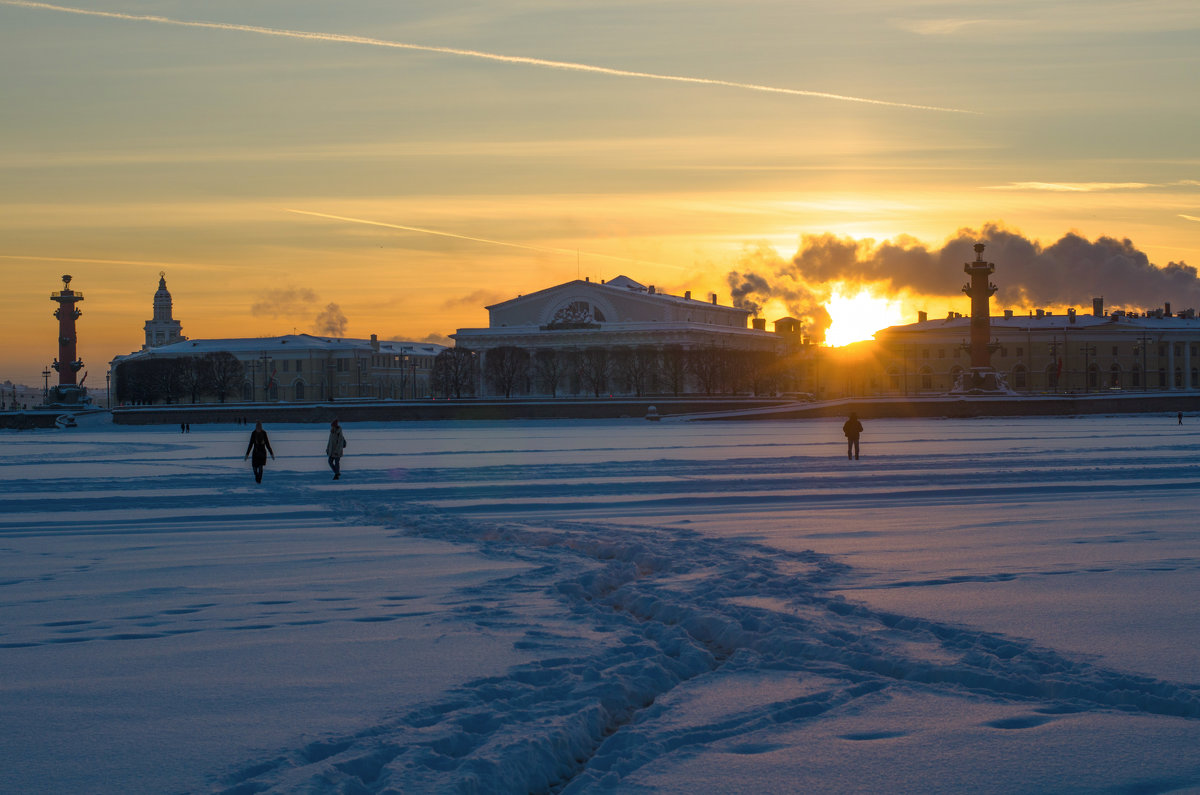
(224, 373)
(673, 366)
(595, 369)
(454, 372)
(549, 367)
(193, 378)
(706, 365)
(506, 368)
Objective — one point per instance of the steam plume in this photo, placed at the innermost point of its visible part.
(1070, 271)
(331, 322)
(513, 59)
(284, 302)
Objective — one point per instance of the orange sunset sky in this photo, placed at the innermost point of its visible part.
(413, 162)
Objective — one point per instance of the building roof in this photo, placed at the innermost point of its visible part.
(290, 343)
(1055, 322)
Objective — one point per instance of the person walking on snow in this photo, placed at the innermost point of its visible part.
(852, 428)
(334, 448)
(259, 445)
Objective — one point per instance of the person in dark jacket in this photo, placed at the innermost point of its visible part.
(852, 428)
(334, 448)
(259, 445)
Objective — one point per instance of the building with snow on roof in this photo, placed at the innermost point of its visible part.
(619, 337)
(1045, 352)
(162, 328)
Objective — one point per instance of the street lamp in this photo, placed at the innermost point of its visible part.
(46, 386)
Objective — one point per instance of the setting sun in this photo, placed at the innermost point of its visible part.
(858, 316)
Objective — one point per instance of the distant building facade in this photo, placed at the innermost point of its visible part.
(1047, 352)
(293, 368)
(618, 337)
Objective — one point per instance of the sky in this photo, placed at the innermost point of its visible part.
(412, 163)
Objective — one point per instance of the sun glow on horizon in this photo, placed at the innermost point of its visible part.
(856, 317)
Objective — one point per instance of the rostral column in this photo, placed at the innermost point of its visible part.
(67, 364)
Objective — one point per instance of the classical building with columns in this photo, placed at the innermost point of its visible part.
(1048, 352)
(617, 337)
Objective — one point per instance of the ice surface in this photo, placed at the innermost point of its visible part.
(989, 605)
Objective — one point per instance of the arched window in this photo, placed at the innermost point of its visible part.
(1052, 375)
(299, 390)
(1093, 376)
(247, 391)
(893, 379)
(1178, 377)
(1114, 376)
(926, 378)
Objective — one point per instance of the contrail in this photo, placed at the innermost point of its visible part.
(513, 59)
(93, 260)
(439, 233)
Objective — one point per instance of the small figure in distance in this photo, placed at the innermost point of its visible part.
(260, 445)
(852, 428)
(1181, 418)
(334, 448)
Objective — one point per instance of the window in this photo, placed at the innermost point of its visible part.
(299, 365)
(285, 365)
(1114, 376)
(924, 353)
(1018, 375)
(1114, 352)
(299, 390)
(941, 353)
(1020, 352)
(1003, 350)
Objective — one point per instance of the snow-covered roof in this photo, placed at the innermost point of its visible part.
(1057, 321)
(290, 342)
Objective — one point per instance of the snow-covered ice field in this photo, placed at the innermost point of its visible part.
(1008, 605)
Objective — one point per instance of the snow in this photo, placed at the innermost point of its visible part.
(999, 605)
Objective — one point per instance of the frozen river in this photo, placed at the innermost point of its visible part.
(992, 605)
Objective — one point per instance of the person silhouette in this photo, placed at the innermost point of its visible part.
(259, 445)
(852, 428)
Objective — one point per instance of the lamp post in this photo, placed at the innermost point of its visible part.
(266, 362)
(46, 387)
(1088, 351)
(108, 391)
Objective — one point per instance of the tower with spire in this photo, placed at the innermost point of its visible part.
(162, 329)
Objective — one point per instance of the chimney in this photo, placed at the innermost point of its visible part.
(375, 343)
(687, 294)
(1008, 314)
(1098, 307)
(713, 296)
(922, 316)
(651, 289)
(1071, 315)
(1041, 313)
(759, 324)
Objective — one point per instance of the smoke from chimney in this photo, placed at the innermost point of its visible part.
(1027, 273)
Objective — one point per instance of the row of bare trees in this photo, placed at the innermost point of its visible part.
(178, 378)
(629, 370)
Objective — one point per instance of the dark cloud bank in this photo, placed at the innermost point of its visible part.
(1069, 272)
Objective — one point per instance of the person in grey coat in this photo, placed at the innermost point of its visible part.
(334, 448)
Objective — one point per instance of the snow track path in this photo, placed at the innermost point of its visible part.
(577, 608)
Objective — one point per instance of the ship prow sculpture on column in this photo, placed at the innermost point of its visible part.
(981, 378)
(67, 392)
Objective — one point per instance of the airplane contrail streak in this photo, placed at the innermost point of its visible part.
(512, 59)
(439, 233)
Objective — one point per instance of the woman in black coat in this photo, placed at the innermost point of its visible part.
(259, 445)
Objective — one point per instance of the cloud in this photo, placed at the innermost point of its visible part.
(331, 322)
(1092, 187)
(438, 339)
(511, 59)
(1189, 217)
(284, 302)
(1070, 271)
(475, 300)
